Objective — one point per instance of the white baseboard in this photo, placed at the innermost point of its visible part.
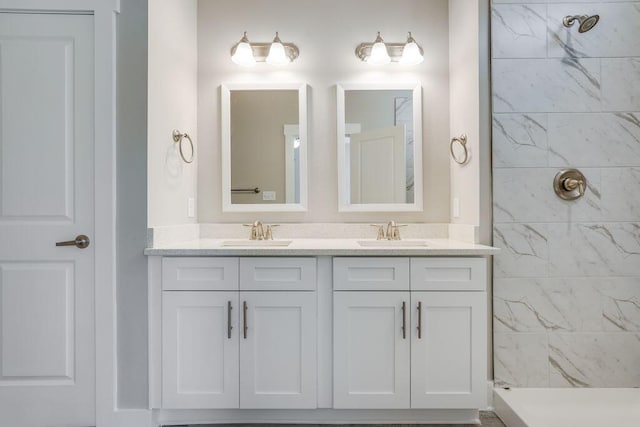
(316, 416)
(132, 418)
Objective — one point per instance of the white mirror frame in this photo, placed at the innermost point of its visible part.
(225, 101)
(417, 204)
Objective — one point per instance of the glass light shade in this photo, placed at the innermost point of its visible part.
(411, 54)
(243, 55)
(277, 55)
(379, 54)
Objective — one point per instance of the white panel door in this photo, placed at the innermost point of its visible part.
(47, 348)
(448, 350)
(200, 350)
(371, 366)
(278, 368)
(378, 166)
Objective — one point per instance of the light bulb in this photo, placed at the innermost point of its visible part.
(243, 54)
(379, 54)
(277, 54)
(411, 54)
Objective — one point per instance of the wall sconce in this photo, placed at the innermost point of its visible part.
(379, 52)
(246, 53)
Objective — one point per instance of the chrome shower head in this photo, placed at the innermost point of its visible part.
(586, 22)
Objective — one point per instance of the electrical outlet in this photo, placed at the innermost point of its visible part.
(268, 195)
(191, 207)
(456, 207)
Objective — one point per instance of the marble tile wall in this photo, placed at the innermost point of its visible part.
(567, 282)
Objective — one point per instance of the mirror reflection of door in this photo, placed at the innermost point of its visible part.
(264, 142)
(379, 155)
(378, 166)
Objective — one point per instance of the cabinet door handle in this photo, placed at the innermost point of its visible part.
(244, 318)
(404, 320)
(229, 327)
(419, 319)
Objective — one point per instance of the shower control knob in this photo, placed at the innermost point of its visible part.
(570, 184)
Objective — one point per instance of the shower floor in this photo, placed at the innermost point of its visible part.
(563, 407)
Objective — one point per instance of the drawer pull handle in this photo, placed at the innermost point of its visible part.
(229, 327)
(244, 318)
(419, 319)
(404, 320)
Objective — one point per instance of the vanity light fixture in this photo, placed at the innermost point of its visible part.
(247, 53)
(380, 53)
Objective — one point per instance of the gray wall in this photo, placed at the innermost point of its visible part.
(567, 282)
(132, 204)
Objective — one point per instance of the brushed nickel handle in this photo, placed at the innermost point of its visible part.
(80, 242)
(404, 320)
(244, 318)
(229, 327)
(419, 319)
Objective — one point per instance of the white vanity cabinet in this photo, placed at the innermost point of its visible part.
(232, 338)
(417, 342)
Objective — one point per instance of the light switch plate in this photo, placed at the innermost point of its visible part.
(456, 207)
(268, 195)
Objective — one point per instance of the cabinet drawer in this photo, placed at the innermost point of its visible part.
(199, 274)
(448, 274)
(371, 274)
(278, 274)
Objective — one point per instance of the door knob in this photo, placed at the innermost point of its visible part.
(80, 242)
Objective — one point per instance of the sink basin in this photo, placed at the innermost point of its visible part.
(256, 243)
(392, 243)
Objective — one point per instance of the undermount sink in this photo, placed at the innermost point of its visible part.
(258, 243)
(392, 243)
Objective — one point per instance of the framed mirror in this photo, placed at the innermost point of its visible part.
(379, 147)
(264, 147)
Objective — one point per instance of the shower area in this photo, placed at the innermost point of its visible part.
(566, 97)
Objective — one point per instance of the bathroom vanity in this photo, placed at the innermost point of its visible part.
(318, 330)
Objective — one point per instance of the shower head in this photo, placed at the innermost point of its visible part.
(586, 22)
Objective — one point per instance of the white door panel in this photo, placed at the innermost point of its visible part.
(448, 360)
(278, 353)
(200, 350)
(371, 353)
(47, 356)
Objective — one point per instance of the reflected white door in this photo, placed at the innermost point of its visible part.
(378, 166)
(47, 350)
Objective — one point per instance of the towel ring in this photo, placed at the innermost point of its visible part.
(178, 137)
(462, 140)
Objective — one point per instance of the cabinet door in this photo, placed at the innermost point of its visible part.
(371, 352)
(448, 352)
(200, 350)
(278, 350)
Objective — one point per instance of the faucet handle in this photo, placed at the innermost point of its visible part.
(253, 234)
(380, 231)
(396, 231)
(268, 234)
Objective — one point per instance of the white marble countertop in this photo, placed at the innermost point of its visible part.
(324, 247)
